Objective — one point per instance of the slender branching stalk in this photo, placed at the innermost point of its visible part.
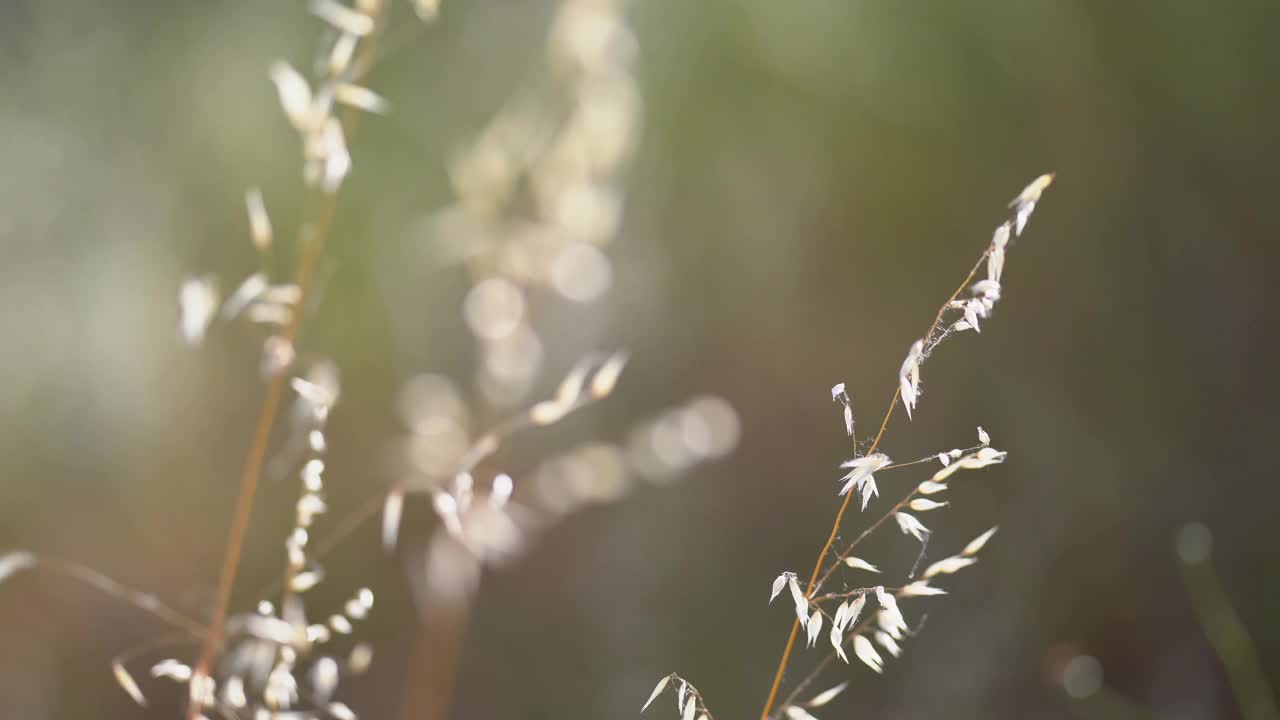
(886, 626)
(817, 577)
(312, 238)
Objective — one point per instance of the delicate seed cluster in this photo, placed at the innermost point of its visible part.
(885, 629)
(486, 526)
(984, 293)
(538, 194)
(537, 199)
(271, 662)
(689, 702)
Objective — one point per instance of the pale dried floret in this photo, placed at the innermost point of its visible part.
(838, 394)
(233, 693)
(324, 678)
(975, 546)
(974, 309)
(343, 18)
(548, 412)
(392, 510)
(501, 491)
(265, 627)
(281, 294)
(779, 583)
(866, 652)
(860, 564)
(309, 506)
(318, 634)
(247, 292)
(1000, 238)
(360, 658)
(281, 690)
(861, 476)
(313, 475)
(920, 588)
(911, 526)
(172, 669)
(909, 377)
(690, 709)
(306, 580)
(355, 610)
(340, 624)
(1025, 203)
(259, 221)
(294, 93)
(657, 691)
(866, 490)
(827, 696)
(447, 509)
(947, 566)
(201, 689)
(197, 303)
(814, 627)
(802, 605)
(995, 257)
(973, 461)
(606, 378)
(930, 487)
(321, 396)
(855, 609)
(361, 98)
(331, 149)
(890, 617)
(127, 683)
(838, 620)
(983, 437)
(837, 642)
(426, 9)
(925, 504)
(14, 562)
(887, 642)
(268, 314)
(340, 711)
(344, 49)
(570, 389)
(795, 712)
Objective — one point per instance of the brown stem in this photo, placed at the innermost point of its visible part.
(312, 239)
(835, 526)
(432, 673)
(258, 451)
(813, 674)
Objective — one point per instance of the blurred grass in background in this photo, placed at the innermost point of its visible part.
(813, 179)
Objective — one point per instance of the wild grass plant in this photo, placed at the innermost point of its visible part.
(537, 199)
(883, 629)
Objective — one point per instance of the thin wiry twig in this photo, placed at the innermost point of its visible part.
(143, 601)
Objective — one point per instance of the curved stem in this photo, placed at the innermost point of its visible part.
(143, 601)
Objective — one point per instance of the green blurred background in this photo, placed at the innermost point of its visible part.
(813, 179)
